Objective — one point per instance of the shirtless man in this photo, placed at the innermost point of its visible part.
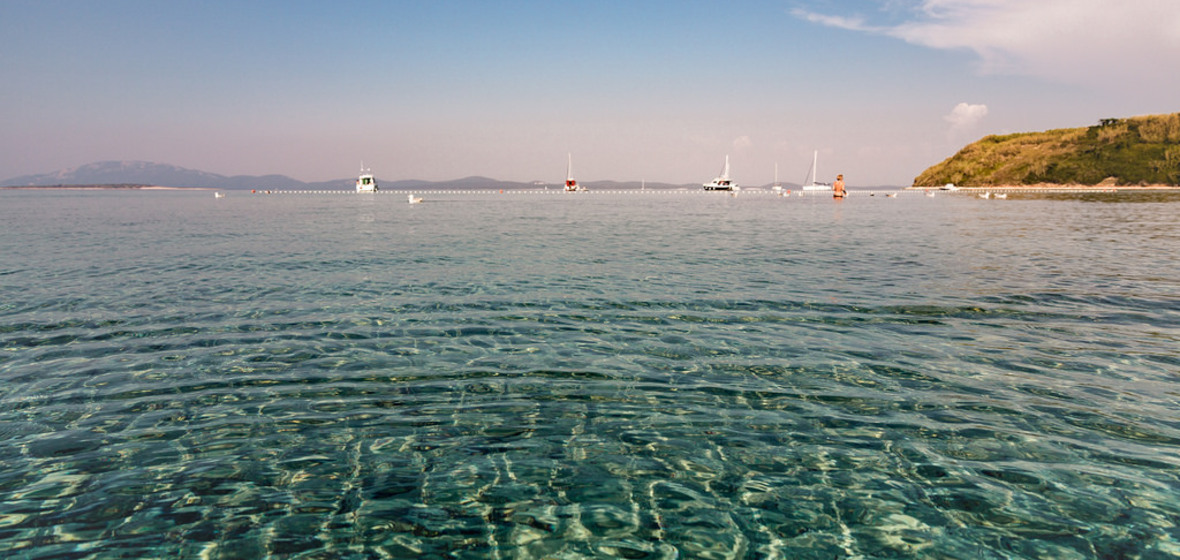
(838, 187)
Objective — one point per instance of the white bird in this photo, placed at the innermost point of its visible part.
(218, 195)
(414, 199)
(930, 193)
(985, 195)
(1001, 195)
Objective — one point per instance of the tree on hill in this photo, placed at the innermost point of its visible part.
(1133, 151)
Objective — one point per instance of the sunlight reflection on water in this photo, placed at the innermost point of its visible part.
(596, 375)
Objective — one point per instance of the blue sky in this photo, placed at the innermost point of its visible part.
(653, 90)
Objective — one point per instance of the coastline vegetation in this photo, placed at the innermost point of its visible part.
(1136, 151)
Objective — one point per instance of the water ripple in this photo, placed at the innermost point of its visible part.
(391, 387)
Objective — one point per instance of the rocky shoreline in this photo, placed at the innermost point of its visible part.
(1052, 187)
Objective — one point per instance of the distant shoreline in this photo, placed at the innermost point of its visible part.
(1054, 187)
(104, 188)
(1040, 187)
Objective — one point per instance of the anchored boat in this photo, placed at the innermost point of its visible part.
(810, 183)
(571, 184)
(366, 182)
(722, 182)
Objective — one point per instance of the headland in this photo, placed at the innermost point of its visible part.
(1132, 153)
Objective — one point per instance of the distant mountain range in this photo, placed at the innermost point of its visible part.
(145, 173)
(163, 175)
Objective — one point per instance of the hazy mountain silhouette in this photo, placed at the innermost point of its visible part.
(164, 175)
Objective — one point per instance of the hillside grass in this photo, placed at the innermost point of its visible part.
(1134, 151)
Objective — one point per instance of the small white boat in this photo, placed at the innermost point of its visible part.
(985, 195)
(366, 183)
(930, 194)
(414, 199)
(948, 187)
(776, 187)
(722, 182)
(810, 183)
(1001, 195)
(218, 195)
(571, 184)
(891, 195)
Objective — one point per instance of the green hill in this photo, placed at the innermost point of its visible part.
(1135, 151)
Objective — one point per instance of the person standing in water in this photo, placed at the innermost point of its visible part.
(838, 187)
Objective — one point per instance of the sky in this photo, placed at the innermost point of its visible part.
(654, 90)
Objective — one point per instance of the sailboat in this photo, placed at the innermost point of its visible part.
(722, 182)
(571, 184)
(776, 187)
(810, 184)
(366, 183)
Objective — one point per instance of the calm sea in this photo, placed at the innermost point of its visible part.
(599, 375)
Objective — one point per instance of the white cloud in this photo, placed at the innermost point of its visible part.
(841, 22)
(1128, 43)
(965, 116)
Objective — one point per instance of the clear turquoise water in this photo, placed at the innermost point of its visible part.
(588, 376)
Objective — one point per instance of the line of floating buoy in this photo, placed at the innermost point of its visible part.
(606, 192)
